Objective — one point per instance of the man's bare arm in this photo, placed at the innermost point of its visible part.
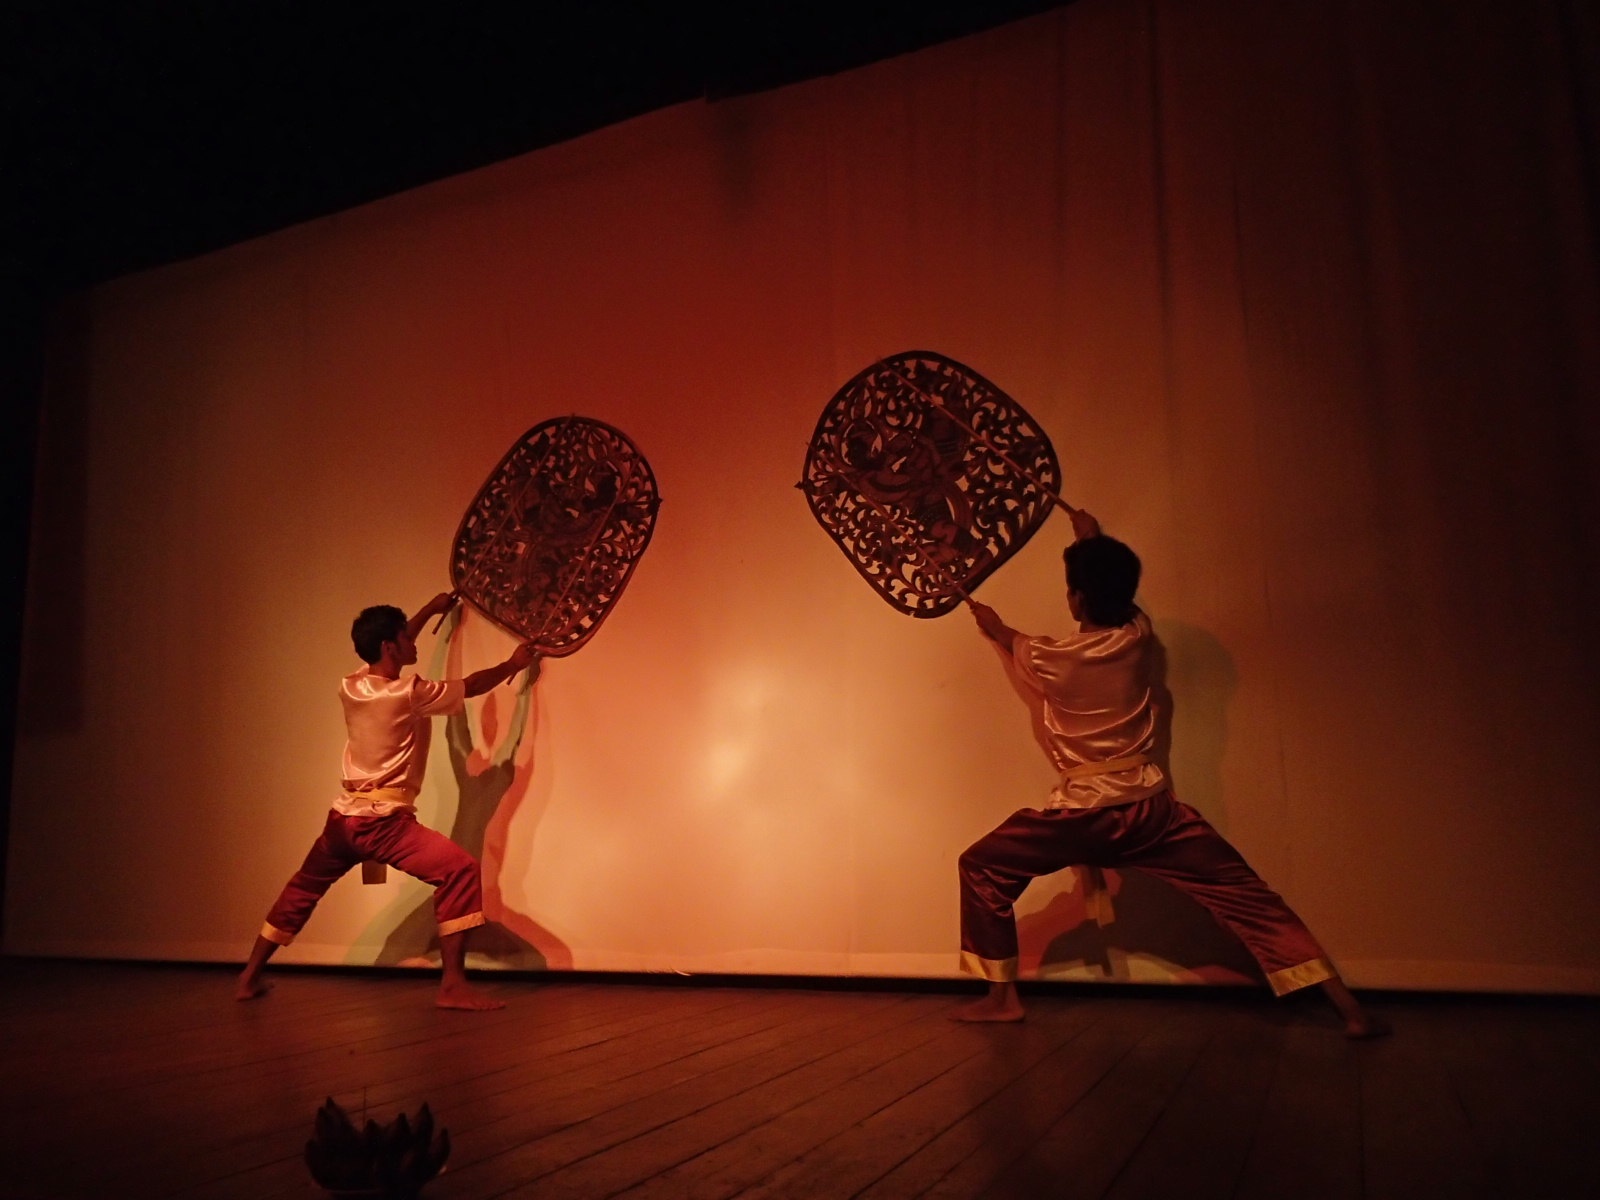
(993, 628)
(437, 607)
(525, 655)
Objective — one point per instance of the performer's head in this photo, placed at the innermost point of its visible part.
(1102, 577)
(378, 625)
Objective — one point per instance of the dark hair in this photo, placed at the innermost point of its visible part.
(1105, 574)
(376, 625)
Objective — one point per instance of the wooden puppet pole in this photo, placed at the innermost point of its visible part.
(938, 403)
(455, 599)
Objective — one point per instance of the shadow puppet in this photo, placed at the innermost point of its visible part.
(492, 786)
(1157, 933)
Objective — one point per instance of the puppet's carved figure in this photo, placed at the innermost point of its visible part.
(929, 478)
(549, 542)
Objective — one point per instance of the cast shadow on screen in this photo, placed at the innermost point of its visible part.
(1158, 933)
(491, 788)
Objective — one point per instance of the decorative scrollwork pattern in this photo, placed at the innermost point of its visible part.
(913, 472)
(551, 539)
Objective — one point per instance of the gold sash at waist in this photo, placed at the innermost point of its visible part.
(1083, 770)
(388, 795)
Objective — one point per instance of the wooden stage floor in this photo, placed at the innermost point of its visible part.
(124, 1081)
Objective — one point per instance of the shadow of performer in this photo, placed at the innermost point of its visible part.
(486, 777)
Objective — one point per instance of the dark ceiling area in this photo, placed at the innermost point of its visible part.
(147, 132)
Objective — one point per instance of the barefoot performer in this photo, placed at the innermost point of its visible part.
(374, 818)
(1094, 716)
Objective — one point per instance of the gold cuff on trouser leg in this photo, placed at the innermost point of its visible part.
(1292, 979)
(995, 970)
(470, 921)
(276, 935)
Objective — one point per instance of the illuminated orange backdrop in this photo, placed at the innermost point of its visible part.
(1308, 307)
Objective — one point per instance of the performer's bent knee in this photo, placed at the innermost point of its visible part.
(973, 862)
(980, 875)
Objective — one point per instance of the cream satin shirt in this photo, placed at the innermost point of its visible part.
(388, 726)
(1091, 698)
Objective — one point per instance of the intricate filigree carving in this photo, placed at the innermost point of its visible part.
(549, 542)
(928, 477)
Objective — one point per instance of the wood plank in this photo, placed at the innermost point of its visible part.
(1308, 1140)
(225, 1097)
(567, 1162)
(1415, 1136)
(1008, 1122)
(859, 1156)
(732, 1166)
(625, 1097)
(1205, 1131)
(1087, 1145)
(445, 1074)
(125, 1081)
(1530, 1104)
(468, 1095)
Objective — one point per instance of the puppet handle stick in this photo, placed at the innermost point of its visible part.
(455, 599)
(622, 486)
(938, 403)
(928, 563)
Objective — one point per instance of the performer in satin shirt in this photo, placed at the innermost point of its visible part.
(374, 817)
(1092, 704)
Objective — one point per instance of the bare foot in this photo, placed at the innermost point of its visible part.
(1366, 1027)
(989, 1009)
(249, 989)
(465, 996)
(1359, 1025)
